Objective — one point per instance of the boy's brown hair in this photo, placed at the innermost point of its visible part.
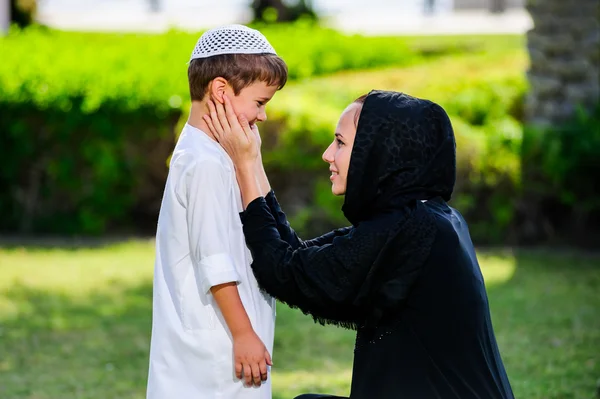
(240, 70)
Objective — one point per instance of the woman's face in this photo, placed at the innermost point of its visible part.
(337, 155)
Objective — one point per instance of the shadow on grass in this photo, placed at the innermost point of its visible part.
(95, 345)
(43, 243)
(55, 345)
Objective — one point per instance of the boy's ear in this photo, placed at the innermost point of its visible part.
(217, 89)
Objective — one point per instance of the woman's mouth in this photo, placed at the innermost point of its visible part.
(333, 175)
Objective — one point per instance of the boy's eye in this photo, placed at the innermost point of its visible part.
(260, 103)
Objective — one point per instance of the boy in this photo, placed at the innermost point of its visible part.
(212, 328)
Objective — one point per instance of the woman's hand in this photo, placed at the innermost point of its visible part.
(240, 141)
(233, 133)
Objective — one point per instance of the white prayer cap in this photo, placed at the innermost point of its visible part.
(231, 39)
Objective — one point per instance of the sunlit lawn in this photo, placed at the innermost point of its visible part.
(75, 323)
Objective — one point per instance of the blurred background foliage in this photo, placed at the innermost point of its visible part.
(23, 12)
(277, 11)
(88, 121)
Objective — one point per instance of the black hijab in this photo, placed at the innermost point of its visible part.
(404, 150)
(403, 153)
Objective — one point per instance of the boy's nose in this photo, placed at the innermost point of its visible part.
(262, 116)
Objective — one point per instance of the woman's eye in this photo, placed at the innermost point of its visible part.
(339, 142)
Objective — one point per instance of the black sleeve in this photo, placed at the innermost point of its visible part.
(319, 279)
(288, 234)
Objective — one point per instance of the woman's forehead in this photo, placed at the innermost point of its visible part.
(346, 127)
(350, 115)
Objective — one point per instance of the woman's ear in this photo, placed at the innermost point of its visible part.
(216, 89)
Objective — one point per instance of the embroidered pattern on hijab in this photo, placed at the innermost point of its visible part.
(404, 151)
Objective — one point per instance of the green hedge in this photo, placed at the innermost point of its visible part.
(72, 172)
(87, 120)
(48, 68)
(561, 164)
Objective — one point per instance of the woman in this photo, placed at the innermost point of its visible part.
(405, 275)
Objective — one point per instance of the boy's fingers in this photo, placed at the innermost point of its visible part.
(263, 370)
(268, 358)
(238, 370)
(247, 374)
(256, 377)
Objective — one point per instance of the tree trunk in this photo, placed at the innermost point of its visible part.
(155, 5)
(4, 16)
(497, 6)
(564, 50)
(560, 148)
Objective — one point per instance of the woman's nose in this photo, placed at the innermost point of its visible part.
(328, 154)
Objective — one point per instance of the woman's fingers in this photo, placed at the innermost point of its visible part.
(245, 127)
(214, 118)
(211, 127)
(230, 112)
(233, 132)
(227, 127)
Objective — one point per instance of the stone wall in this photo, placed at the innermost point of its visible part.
(564, 49)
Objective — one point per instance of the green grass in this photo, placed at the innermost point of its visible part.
(75, 323)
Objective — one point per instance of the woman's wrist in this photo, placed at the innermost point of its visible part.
(245, 166)
(263, 180)
(248, 182)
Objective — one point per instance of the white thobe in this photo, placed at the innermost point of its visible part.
(200, 244)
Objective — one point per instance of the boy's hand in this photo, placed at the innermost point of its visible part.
(252, 357)
(233, 133)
